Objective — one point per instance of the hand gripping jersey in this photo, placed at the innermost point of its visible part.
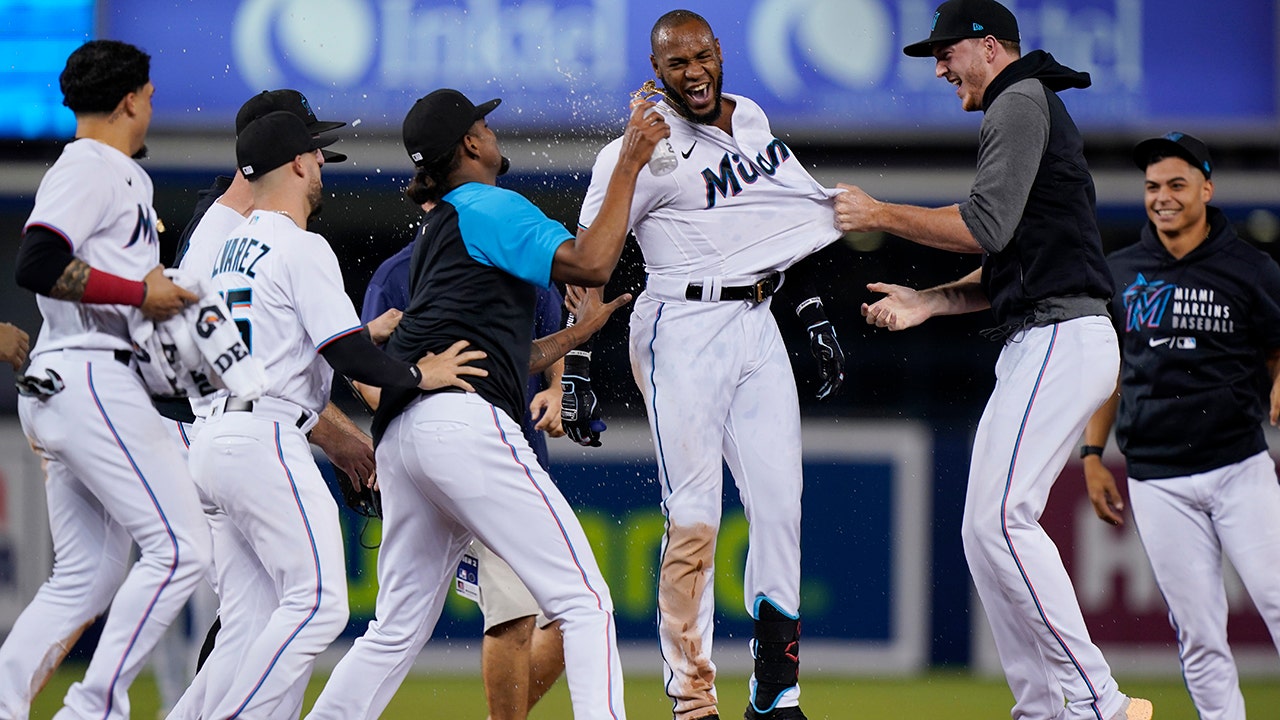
(735, 206)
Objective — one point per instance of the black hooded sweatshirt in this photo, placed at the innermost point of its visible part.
(1194, 334)
(1032, 206)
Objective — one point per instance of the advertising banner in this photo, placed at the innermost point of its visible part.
(824, 68)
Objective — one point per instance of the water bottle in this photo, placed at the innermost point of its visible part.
(663, 160)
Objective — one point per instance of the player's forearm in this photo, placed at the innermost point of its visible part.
(46, 266)
(548, 350)
(957, 298)
(941, 228)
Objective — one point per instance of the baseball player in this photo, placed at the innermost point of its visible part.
(522, 652)
(716, 235)
(454, 466)
(91, 253)
(1198, 313)
(1031, 214)
(219, 210)
(14, 344)
(280, 538)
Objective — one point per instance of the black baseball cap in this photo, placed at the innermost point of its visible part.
(1175, 144)
(273, 140)
(269, 101)
(963, 19)
(438, 121)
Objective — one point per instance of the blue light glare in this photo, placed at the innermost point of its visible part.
(35, 39)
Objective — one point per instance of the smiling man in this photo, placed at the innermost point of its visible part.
(1198, 312)
(717, 234)
(1031, 214)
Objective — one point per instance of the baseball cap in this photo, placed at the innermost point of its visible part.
(1175, 144)
(962, 19)
(273, 140)
(290, 100)
(437, 121)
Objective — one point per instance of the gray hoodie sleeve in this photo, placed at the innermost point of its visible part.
(1012, 141)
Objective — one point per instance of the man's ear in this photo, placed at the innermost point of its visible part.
(127, 105)
(471, 145)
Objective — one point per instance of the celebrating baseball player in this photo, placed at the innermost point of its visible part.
(90, 252)
(716, 233)
(218, 211)
(1198, 313)
(1031, 215)
(454, 465)
(278, 547)
(522, 653)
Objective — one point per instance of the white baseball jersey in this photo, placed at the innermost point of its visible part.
(736, 205)
(203, 247)
(285, 292)
(108, 223)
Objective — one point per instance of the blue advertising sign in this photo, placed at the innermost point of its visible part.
(818, 67)
(865, 571)
(35, 39)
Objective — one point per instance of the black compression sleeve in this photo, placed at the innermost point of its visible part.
(42, 258)
(359, 359)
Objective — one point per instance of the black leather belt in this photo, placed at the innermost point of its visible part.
(757, 292)
(238, 405)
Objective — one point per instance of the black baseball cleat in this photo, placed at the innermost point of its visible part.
(782, 713)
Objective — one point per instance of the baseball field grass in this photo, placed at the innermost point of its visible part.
(940, 694)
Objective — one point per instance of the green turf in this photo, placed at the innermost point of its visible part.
(950, 696)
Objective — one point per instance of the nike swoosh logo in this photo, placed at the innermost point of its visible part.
(686, 155)
(1157, 342)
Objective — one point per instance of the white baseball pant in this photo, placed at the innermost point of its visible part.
(452, 467)
(717, 383)
(1185, 524)
(113, 479)
(278, 552)
(1049, 382)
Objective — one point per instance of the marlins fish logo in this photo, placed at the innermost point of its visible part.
(1145, 303)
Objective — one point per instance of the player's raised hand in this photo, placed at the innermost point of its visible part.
(588, 306)
(381, 327)
(1103, 492)
(644, 130)
(14, 344)
(448, 368)
(855, 209)
(163, 297)
(899, 309)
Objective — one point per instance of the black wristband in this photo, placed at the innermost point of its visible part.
(811, 312)
(1087, 450)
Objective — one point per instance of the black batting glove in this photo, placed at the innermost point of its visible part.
(579, 409)
(824, 346)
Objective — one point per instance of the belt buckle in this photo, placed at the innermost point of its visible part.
(764, 283)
